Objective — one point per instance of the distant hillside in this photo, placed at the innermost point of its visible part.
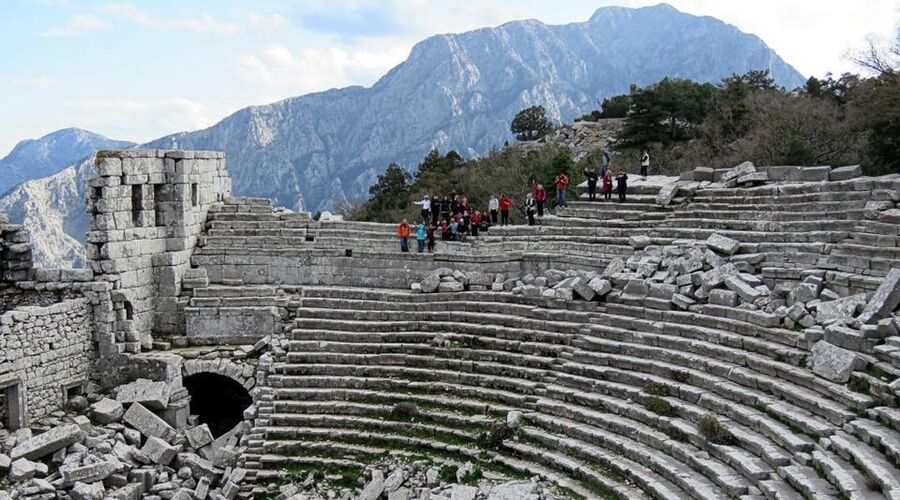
(36, 158)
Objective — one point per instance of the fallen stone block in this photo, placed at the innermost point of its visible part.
(564, 294)
(583, 289)
(88, 491)
(199, 436)
(744, 290)
(723, 244)
(450, 286)
(702, 174)
(600, 286)
(147, 423)
(513, 490)
(840, 309)
(639, 242)
(463, 492)
(374, 488)
(153, 395)
(753, 178)
(845, 173)
(666, 194)
(44, 444)
(21, 469)
(885, 300)
(89, 473)
(200, 467)
(682, 302)
(132, 491)
(431, 283)
(835, 363)
(158, 451)
(717, 275)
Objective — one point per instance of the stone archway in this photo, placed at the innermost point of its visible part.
(220, 391)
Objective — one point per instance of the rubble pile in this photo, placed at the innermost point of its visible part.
(552, 284)
(125, 450)
(413, 480)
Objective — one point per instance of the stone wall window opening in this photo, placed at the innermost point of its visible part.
(158, 195)
(195, 195)
(217, 400)
(137, 204)
(12, 405)
(129, 310)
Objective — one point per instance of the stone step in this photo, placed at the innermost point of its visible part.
(869, 461)
(846, 478)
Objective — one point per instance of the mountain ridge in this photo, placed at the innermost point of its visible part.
(454, 91)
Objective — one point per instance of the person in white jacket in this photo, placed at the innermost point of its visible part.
(425, 204)
(494, 208)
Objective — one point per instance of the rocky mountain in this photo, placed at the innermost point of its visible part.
(456, 91)
(35, 158)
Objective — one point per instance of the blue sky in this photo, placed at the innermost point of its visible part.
(137, 70)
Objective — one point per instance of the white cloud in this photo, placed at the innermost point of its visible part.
(279, 69)
(204, 22)
(32, 82)
(77, 25)
(142, 120)
(268, 22)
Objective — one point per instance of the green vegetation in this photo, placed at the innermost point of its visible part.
(714, 432)
(660, 406)
(656, 388)
(530, 124)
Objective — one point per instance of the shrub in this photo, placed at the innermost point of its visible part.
(497, 433)
(405, 410)
(660, 406)
(656, 388)
(714, 432)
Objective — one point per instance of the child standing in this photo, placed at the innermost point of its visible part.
(607, 186)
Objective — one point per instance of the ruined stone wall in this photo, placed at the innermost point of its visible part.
(45, 351)
(15, 252)
(147, 208)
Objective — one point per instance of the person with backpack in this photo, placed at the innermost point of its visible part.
(530, 207)
(606, 188)
(591, 174)
(645, 162)
(420, 236)
(403, 231)
(494, 208)
(622, 185)
(504, 204)
(561, 182)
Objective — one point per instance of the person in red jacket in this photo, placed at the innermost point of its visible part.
(561, 182)
(606, 188)
(476, 223)
(505, 203)
(540, 196)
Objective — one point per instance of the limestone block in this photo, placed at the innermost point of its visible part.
(88, 491)
(753, 178)
(717, 275)
(600, 286)
(682, 302)
(666, 194)
(564, 293)
(703, 174)
(394, 480)
(374, 488)
(845, 173)
(743, 289)
(431, 283)
(199, 436)
(463, 492)
(513, 490)
(107, 411)
(814, 174)
(147, 423)
(47, 443)
(451, 286)
(158, 451)
(21, 469)
(615, 266)
(722, 244)
(639, 242)
(200, 467)
(834, 363)
(89, 473)
(885, 300)
(840, 309)
(132, 491)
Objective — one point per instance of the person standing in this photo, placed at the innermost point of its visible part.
(429, 237)
(540, 196)
(420, 236)
(606, 187)
(445, 208)
(645, 163)
(504, 204)
(403, 232)
(622, 185)
(425, 205)
(530, 207)
(494, 208)
(591, 174)
(605, 160)
(561, 182)
(476, 223)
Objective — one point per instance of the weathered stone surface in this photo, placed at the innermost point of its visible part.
(615, 266)
(885, 300)
(834, 363)
(515, 490)
(431, 283)
(666, 194)
(840, 309)
(600, 286)
(583, 289)
(107, 411)
(88, 491)
(153, 395)
(463, 492)
(48, 442)
(89, 473)
(374, 488)
(158, 451)
(639, 242)
(132, 491)
(199, 436)
(723, 244)
(682, 301)
(21, 469)
(717, 276)
(147, 422)
(743, 289)
(450, 286)
(845, 173)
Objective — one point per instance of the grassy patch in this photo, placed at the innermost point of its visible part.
(656, 388)
(660, 406)
(714, 432)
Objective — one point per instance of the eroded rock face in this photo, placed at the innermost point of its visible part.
(833, 362)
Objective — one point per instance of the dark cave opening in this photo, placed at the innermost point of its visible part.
(218, 401)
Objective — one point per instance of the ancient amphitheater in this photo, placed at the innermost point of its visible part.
(732, 334)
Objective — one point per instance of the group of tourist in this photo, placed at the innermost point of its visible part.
(453, 218)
